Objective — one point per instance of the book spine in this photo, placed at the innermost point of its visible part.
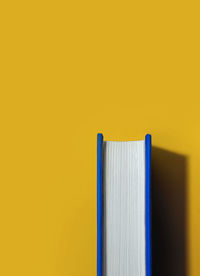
(99, 204)
(148, 202)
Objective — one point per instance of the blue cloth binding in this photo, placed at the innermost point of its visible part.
(99, 205)
(148, 202)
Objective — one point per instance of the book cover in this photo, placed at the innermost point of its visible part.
(100, 219)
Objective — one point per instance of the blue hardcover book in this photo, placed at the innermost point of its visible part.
(124, 207)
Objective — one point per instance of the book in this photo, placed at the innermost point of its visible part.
(123, 207)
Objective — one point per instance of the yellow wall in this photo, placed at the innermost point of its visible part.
(70, 69)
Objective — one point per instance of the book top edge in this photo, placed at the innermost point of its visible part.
(147, 138)
(118, 142)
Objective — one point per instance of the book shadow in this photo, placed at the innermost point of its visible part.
(169, 211)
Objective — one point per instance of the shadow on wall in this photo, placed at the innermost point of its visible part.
(169, 211)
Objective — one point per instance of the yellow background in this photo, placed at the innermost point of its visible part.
(70, 69)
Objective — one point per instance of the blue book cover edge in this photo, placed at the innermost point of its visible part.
(148, 202)
(99, 204)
